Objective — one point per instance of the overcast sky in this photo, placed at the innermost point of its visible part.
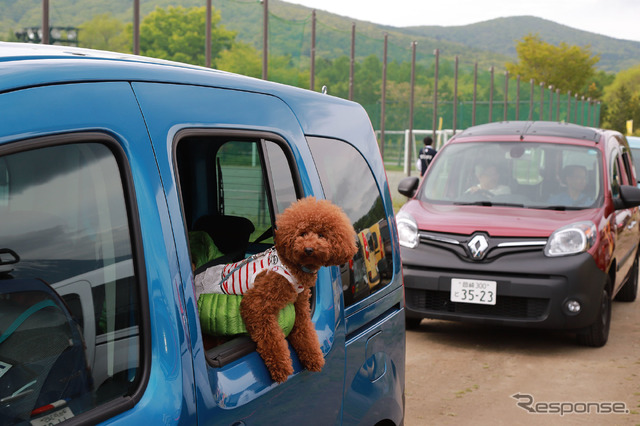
(614, 18)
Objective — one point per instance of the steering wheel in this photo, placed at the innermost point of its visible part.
(484, 193)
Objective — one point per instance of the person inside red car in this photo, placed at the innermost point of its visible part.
(575, 179)
(488, 182)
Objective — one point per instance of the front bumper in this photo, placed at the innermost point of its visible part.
(532, 289)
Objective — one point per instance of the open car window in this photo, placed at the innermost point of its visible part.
(232, 188)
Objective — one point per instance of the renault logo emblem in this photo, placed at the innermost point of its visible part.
(478, 246)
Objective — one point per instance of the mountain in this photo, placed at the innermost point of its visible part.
(488, 43)
(500, 36)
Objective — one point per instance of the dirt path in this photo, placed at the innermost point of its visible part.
(461, 374)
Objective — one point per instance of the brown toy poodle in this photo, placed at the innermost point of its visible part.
(309, 234)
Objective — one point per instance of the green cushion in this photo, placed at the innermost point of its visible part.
(220, 315)
(202, 248)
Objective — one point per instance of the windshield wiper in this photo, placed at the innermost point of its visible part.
(474, 203)
(488, 204)
(560, 208)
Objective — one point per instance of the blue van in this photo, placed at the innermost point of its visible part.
(119, 175)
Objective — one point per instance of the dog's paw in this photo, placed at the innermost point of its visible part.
(280, 373)
(313, 363)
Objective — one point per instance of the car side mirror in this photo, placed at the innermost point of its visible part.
(630, 197)
(408, 186)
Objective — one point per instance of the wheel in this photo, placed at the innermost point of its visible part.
(597, 334)
(412, 323)
(629, 290)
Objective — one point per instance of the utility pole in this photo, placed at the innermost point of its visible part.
(45, 21)
(208, 36)
(352, 60)
(265, 39)
(136, 27)
(312, 80)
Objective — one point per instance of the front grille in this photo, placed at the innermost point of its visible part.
(463, 246)
(506, 307)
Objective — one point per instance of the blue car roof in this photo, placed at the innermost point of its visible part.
(63, 64)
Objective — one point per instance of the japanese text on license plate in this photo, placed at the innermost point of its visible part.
(473, 291)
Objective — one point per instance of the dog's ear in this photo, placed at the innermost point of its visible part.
(344, 244)
(345, 250)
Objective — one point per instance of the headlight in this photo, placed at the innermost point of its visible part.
(575, 238)
(407, 230)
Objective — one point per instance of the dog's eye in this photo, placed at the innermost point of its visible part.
(303, 234)
(320, 235)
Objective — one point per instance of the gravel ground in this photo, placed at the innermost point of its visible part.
(462, 374)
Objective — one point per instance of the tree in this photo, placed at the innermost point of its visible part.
(105, 32)
(178, 34)
(241, 58)
(622, 100)
(563, 66)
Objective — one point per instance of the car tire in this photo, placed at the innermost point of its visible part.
(597, 334)
(412, 323)
(629, 290)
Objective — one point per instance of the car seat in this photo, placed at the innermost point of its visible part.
(42, 357)
(230, 234)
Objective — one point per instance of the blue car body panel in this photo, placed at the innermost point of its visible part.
(144, 104)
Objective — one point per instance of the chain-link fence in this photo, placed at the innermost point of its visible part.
(405, 87)
(403, 84)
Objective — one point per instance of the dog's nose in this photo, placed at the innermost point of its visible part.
(308, 251)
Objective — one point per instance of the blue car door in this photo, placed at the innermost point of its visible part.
(196, 133)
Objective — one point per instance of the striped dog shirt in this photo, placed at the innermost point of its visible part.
(237, 278)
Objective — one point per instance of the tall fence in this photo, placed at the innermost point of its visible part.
(407, 89)
(426, 94)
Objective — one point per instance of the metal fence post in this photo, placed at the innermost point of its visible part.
(207, 43)
(491, 97)
(506, 95)
(383, 100)
(551, 102)
(312, 71)
(136, 27)
(455, 96)
(518, 98)
(413, 80)
(531, 83)
(475, 94)
(352, 61)
(541, 101)
(265, 39)
(435, 95)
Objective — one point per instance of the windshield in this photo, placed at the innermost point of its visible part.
(518, 174)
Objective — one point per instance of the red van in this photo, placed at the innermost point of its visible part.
(529, 224)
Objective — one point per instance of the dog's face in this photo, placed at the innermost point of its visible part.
(313, 233)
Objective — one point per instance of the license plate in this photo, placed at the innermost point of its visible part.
(53, 418)
(473, 291)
